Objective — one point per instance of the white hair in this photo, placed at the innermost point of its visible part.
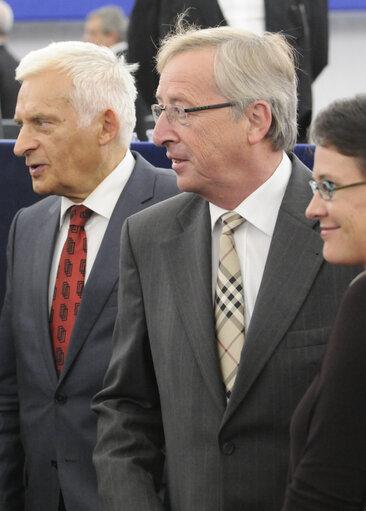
(100, 80)
(6, 18)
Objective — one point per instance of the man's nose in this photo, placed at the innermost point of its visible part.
(25, 142)
(164, 131)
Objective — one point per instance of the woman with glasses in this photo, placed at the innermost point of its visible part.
(328, 431)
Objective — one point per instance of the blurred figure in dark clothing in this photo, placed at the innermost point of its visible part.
(9, 87)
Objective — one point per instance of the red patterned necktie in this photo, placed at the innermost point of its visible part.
(69, 283)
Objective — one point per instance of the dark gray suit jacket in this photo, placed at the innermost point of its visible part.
(305, 22)
(47, 430)
(164, 388)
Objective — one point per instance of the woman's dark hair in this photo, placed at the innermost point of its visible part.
(342, 125)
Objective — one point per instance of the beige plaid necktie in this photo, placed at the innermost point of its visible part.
(229, 302)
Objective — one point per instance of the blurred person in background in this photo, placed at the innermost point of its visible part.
(9, 87)
(107, 26)
(328, 447)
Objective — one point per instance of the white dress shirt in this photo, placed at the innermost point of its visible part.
(246, 14)
(254, 236)
(102, 202)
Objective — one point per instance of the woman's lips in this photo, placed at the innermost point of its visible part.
(325, 231)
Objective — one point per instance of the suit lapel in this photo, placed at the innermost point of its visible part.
(43, 251)
(104, 274)
(187, 257)
(293, 262)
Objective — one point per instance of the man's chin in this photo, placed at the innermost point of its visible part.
(41, 190)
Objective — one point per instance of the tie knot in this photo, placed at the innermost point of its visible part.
(230, 221)
(79, 215)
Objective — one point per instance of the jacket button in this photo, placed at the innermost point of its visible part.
(54, 464)
(228, 448)
(60, 398)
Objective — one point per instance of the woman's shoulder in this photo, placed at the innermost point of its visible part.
(357, 288)
(351, 318)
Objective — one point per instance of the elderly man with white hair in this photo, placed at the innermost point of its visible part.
(76, 115)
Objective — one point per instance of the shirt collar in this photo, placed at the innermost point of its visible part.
(261, 207)
(104, 197)
(119, 47)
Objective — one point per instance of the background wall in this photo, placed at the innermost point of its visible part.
(63, 9)
(69, 9)
(344, 76)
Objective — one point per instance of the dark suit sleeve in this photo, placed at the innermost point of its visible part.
(319, 36)
(143, 39)
(9, 87)
(331, 472)
(128, 456)
(11, 450)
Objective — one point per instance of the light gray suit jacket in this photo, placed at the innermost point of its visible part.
(47, 429)
(163, 389)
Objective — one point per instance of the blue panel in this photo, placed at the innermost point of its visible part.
(347, 4)
(29, 10)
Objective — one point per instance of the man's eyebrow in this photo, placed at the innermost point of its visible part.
(46, 116)
(172, 101)
(324, 177)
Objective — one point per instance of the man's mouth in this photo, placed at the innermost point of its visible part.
(35, 169)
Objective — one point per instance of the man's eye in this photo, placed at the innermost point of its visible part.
(42, 122)
(177, 110)
(329, 185)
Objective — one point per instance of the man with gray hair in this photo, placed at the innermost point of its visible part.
(107, 26)
(9, 87)
(76, 115)
(230, 296)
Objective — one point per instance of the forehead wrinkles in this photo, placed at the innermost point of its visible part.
(30, 107)
(178, 90)
(188, 75)
(49, 93)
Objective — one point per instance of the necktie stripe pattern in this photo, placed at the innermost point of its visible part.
(69, 283)
(229, 302)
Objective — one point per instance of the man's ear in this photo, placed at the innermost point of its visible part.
(260, 117)
(109, 126)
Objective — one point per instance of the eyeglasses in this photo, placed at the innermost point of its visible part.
(327, 189)
(179, 113)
